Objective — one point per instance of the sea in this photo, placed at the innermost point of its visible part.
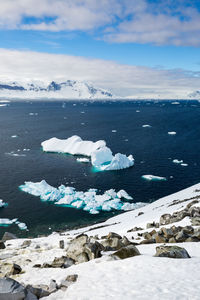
(25, 124)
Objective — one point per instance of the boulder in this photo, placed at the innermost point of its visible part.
(172, 240)
(172, 252)
(2, 245)
(135, 229)
(126, 252)
(181, 237)
(165, 219)
(167, 232)
(38, 290)
(13, 290)
(159, 238)
(195, 221)
(76, 246)
(59, 262)
(72, 278)
(16, 269)
(112, 244)
(53, 286)
(150, 241)
(26, 243)
(61, 244)
(8, 269)
(93, 250)
(8, 236)
(113, 235)
(125, 241)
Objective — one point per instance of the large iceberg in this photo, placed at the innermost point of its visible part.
(89, 201)
(101, 156)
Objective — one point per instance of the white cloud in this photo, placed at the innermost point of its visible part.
(122, 80)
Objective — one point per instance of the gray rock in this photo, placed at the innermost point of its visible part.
(160, 238)
(76, 246)
(58, 262)
(192, 239)
(172, 240)
(26, 243)
(181, 237)
(16, 269)
(150, 241)
(93, 250)
(135, 229)
(62, 244)
(112, 244)
(126, 252)
(195, 221)
(38, 290)
(11, 290)
(2, 245)
(125, 241)
(72, 278)
(53, 286)
(113, 235)
(8, 236)
(165, 219)
(167, 232)
(172, 252)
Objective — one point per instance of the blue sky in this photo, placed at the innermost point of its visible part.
(162, 35)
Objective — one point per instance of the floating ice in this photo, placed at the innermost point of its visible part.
(84, 160)
(8, 222)
(176, 161)
(184, 165)
(2, 204)
(3, 105)
(89, 201)
(101, 156)
(33, 114)
(14, 136)
(172, 132)
(146, 125)
(175, 102)
(154, 178)
(114, 130)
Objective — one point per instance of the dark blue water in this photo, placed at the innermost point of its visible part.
(152, 149)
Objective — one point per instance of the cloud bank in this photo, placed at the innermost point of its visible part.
(165, 22)
(123, 80)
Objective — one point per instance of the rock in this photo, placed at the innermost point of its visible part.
(140, 213)
(188, 230)
(61, 244)
(13, 290)
(2, 245)
(192, 203)
(172, 252)
(72, 278)
(93, 250)
(172, 240)
(53, 286)
(192, 239)
(150, 241)
(126, 252)
(76, 246)
(195, 221)
(39, 290)
(159, 238)
(165, 219)
(16, 269)
(181, 237)
(135, 229)
(8, 236)
(167, 232)
(125, 241)
(151, 225)
(26, 243)
(112, 244)
(59, 262)
(147, 236)
(152, 232)
(113, 235)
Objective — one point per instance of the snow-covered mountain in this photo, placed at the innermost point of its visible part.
(69, 89)
(195, 95)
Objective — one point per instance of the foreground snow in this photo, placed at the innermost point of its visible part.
(101, 156)
(89, 201)
(140, 277)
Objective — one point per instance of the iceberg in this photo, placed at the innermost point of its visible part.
(89, 201)
(171, 132)
(176, 161)
(154, 178)
(146, 125)
(101, 156)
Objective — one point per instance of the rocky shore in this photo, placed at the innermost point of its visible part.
(57, 266)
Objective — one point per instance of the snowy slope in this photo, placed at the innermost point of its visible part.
(69, 89)
(140, 277)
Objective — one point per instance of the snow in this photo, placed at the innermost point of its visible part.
(141, 277)
(154, 178)
(171, 132)
(101, 156)
(89, 201)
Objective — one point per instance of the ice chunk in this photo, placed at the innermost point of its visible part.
(146, 125)
(118, 162)
(154, 178)
(89, 201)
(2, 204)
(171, 132)
(101, 156)
(84, 160)
(176, 161)
(184, 165)
(8, 222)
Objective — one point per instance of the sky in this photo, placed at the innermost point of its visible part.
(130, 47)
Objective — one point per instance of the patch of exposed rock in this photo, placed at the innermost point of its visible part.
(171, 252)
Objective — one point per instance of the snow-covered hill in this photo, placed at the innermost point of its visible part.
(69, 89)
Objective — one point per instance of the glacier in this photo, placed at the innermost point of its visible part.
(89, 201)
(102, 158)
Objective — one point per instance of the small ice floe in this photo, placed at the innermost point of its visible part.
(90, 201)
(82, 123)
(5, 101)
(137, 111)
(114, 130)
(12, 153)
(74, 104)
(176, 102)
(176, 161)
(33, 114)
(184, 165)
(154, 178)
(8, 222)
(146, 125)
(2, 203)
(84, 160)
(171, 132)
(14, 136)
(2, 105)
(82, 112)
